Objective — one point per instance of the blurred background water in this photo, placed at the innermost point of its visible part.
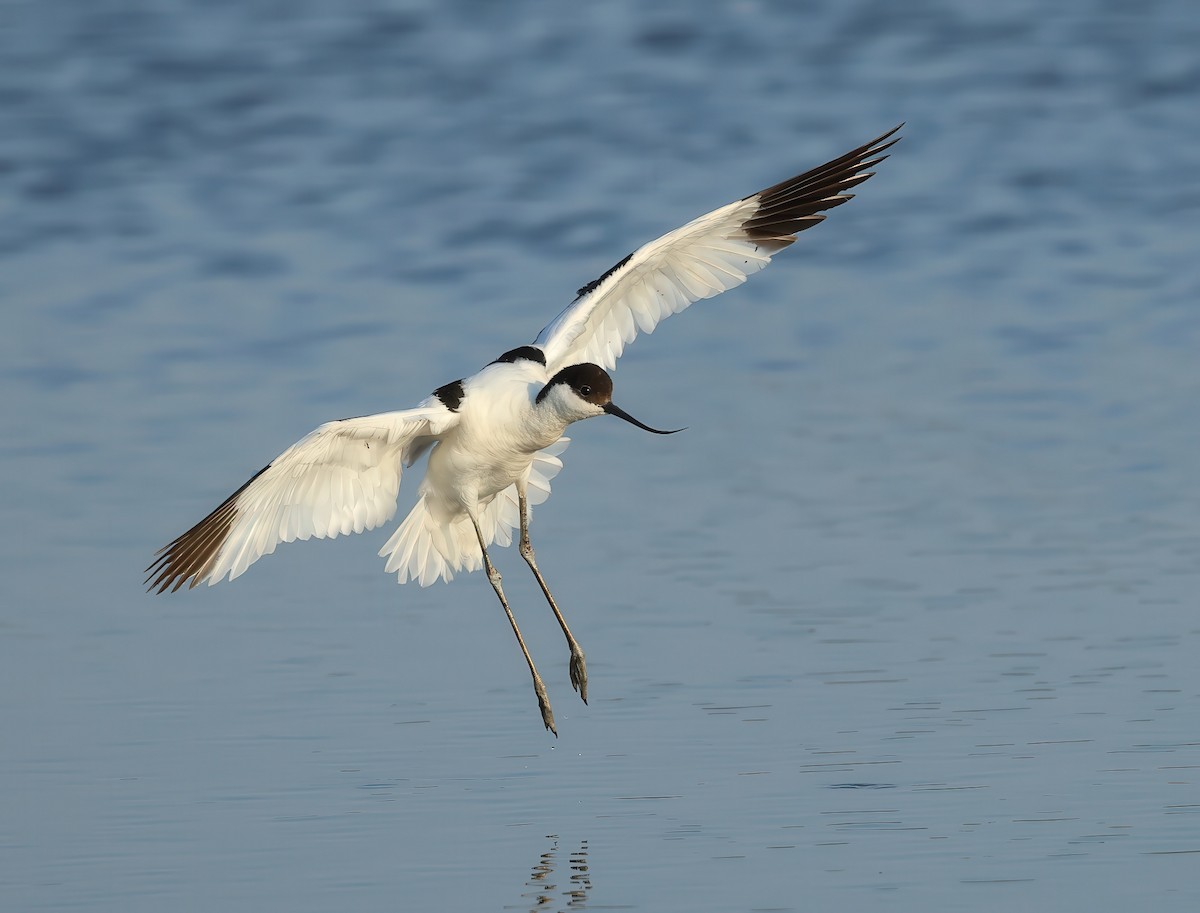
(907, 616)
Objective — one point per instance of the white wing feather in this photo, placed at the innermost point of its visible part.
(705, 257)
(344, 477)
(699, 260)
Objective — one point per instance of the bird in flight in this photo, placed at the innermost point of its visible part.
(493, 439)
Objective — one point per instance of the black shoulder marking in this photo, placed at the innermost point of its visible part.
(529, 353)
(591, 286)
(450, 394)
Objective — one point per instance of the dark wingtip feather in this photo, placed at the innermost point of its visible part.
(791, 206)
(187, 558)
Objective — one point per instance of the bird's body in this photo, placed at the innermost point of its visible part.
(497, 446)
(499, 430)
(493, 438)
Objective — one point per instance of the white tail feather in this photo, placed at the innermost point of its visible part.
(425, 549)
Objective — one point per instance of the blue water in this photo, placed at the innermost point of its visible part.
(907, 617)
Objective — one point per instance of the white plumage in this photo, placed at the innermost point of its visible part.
(425, 550)
(699, 260)
(494, 439)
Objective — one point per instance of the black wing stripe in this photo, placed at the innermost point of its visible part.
(591, 286)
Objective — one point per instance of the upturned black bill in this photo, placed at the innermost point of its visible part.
(614, 409)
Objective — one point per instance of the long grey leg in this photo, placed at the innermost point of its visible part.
(538, 688)
(578, 663)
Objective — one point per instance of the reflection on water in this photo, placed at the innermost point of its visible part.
(546, 891)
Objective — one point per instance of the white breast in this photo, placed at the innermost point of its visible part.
(498, 434)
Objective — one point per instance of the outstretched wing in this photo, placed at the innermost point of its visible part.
(703, 258)
(342, 478)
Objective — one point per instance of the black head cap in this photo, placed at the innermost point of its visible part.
(590, 383)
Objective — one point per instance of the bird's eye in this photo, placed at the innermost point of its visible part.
(585, 390)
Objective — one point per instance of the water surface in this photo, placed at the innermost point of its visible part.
(906, 617)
